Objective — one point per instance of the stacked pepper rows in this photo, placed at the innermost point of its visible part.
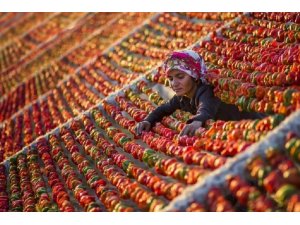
(51, 73)
(118, 62)
(66, 41)
(112, 73)
(42, 117)
(253, 66)
(60, 103)
(32, 89)
(281, 99)
(9, 20)
(97, 163)
(257, 62)
(108, 35)
(254, 63)
(65, 102)
(14, 29)
(147, 47)
(270, 183)
(68, 100)
(24, 23)
(223, 138)
(26, 45)
(143, 175)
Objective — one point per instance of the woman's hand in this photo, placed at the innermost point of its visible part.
(142, 126)
(189, 129)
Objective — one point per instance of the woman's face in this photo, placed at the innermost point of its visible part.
(181, 83)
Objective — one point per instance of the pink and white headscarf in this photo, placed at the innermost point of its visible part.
(187, 61)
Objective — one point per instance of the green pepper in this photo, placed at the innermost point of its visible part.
(247, 104)
(296, 154)
(266, 41)
(221, 82)
(250, 103)
(253, 77)
(123, 140)
(125, 165)
(276, 120)
(112, 131)
(241, 101)
(181, 172)
(268, 108)
(41, 190)
(152, 97)
(13, 161)
(15, 196)
(284, 193)
(129, 169)
(254, 195)
(33, 158)
(148, 152)
(295, 150)
(158, 164)
(287, 96)
(152, 159)
(145, 89)
(214, 136)
(225, 96)
(78, 187)
(262, 173)
(93, 150)
(224, 136)
(93, 133)
(91, 206)
(18, 209)
(54, 208)
(117, 207)
(87, 169)
(289, 145)
(251, 91)
(45, 209)
(93, 179)
(149, 201)
(244, 39)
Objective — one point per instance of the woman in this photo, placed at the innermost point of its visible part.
(186, 71)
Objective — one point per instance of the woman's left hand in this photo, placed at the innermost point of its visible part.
(189, 129)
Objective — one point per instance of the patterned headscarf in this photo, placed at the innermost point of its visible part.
(187, 61)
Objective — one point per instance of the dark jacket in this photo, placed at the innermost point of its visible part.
(204, 105)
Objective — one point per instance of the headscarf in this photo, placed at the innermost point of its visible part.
(187, 61)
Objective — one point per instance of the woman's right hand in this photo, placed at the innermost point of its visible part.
(142, 126)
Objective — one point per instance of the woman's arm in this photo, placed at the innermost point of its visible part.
(163, 110)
